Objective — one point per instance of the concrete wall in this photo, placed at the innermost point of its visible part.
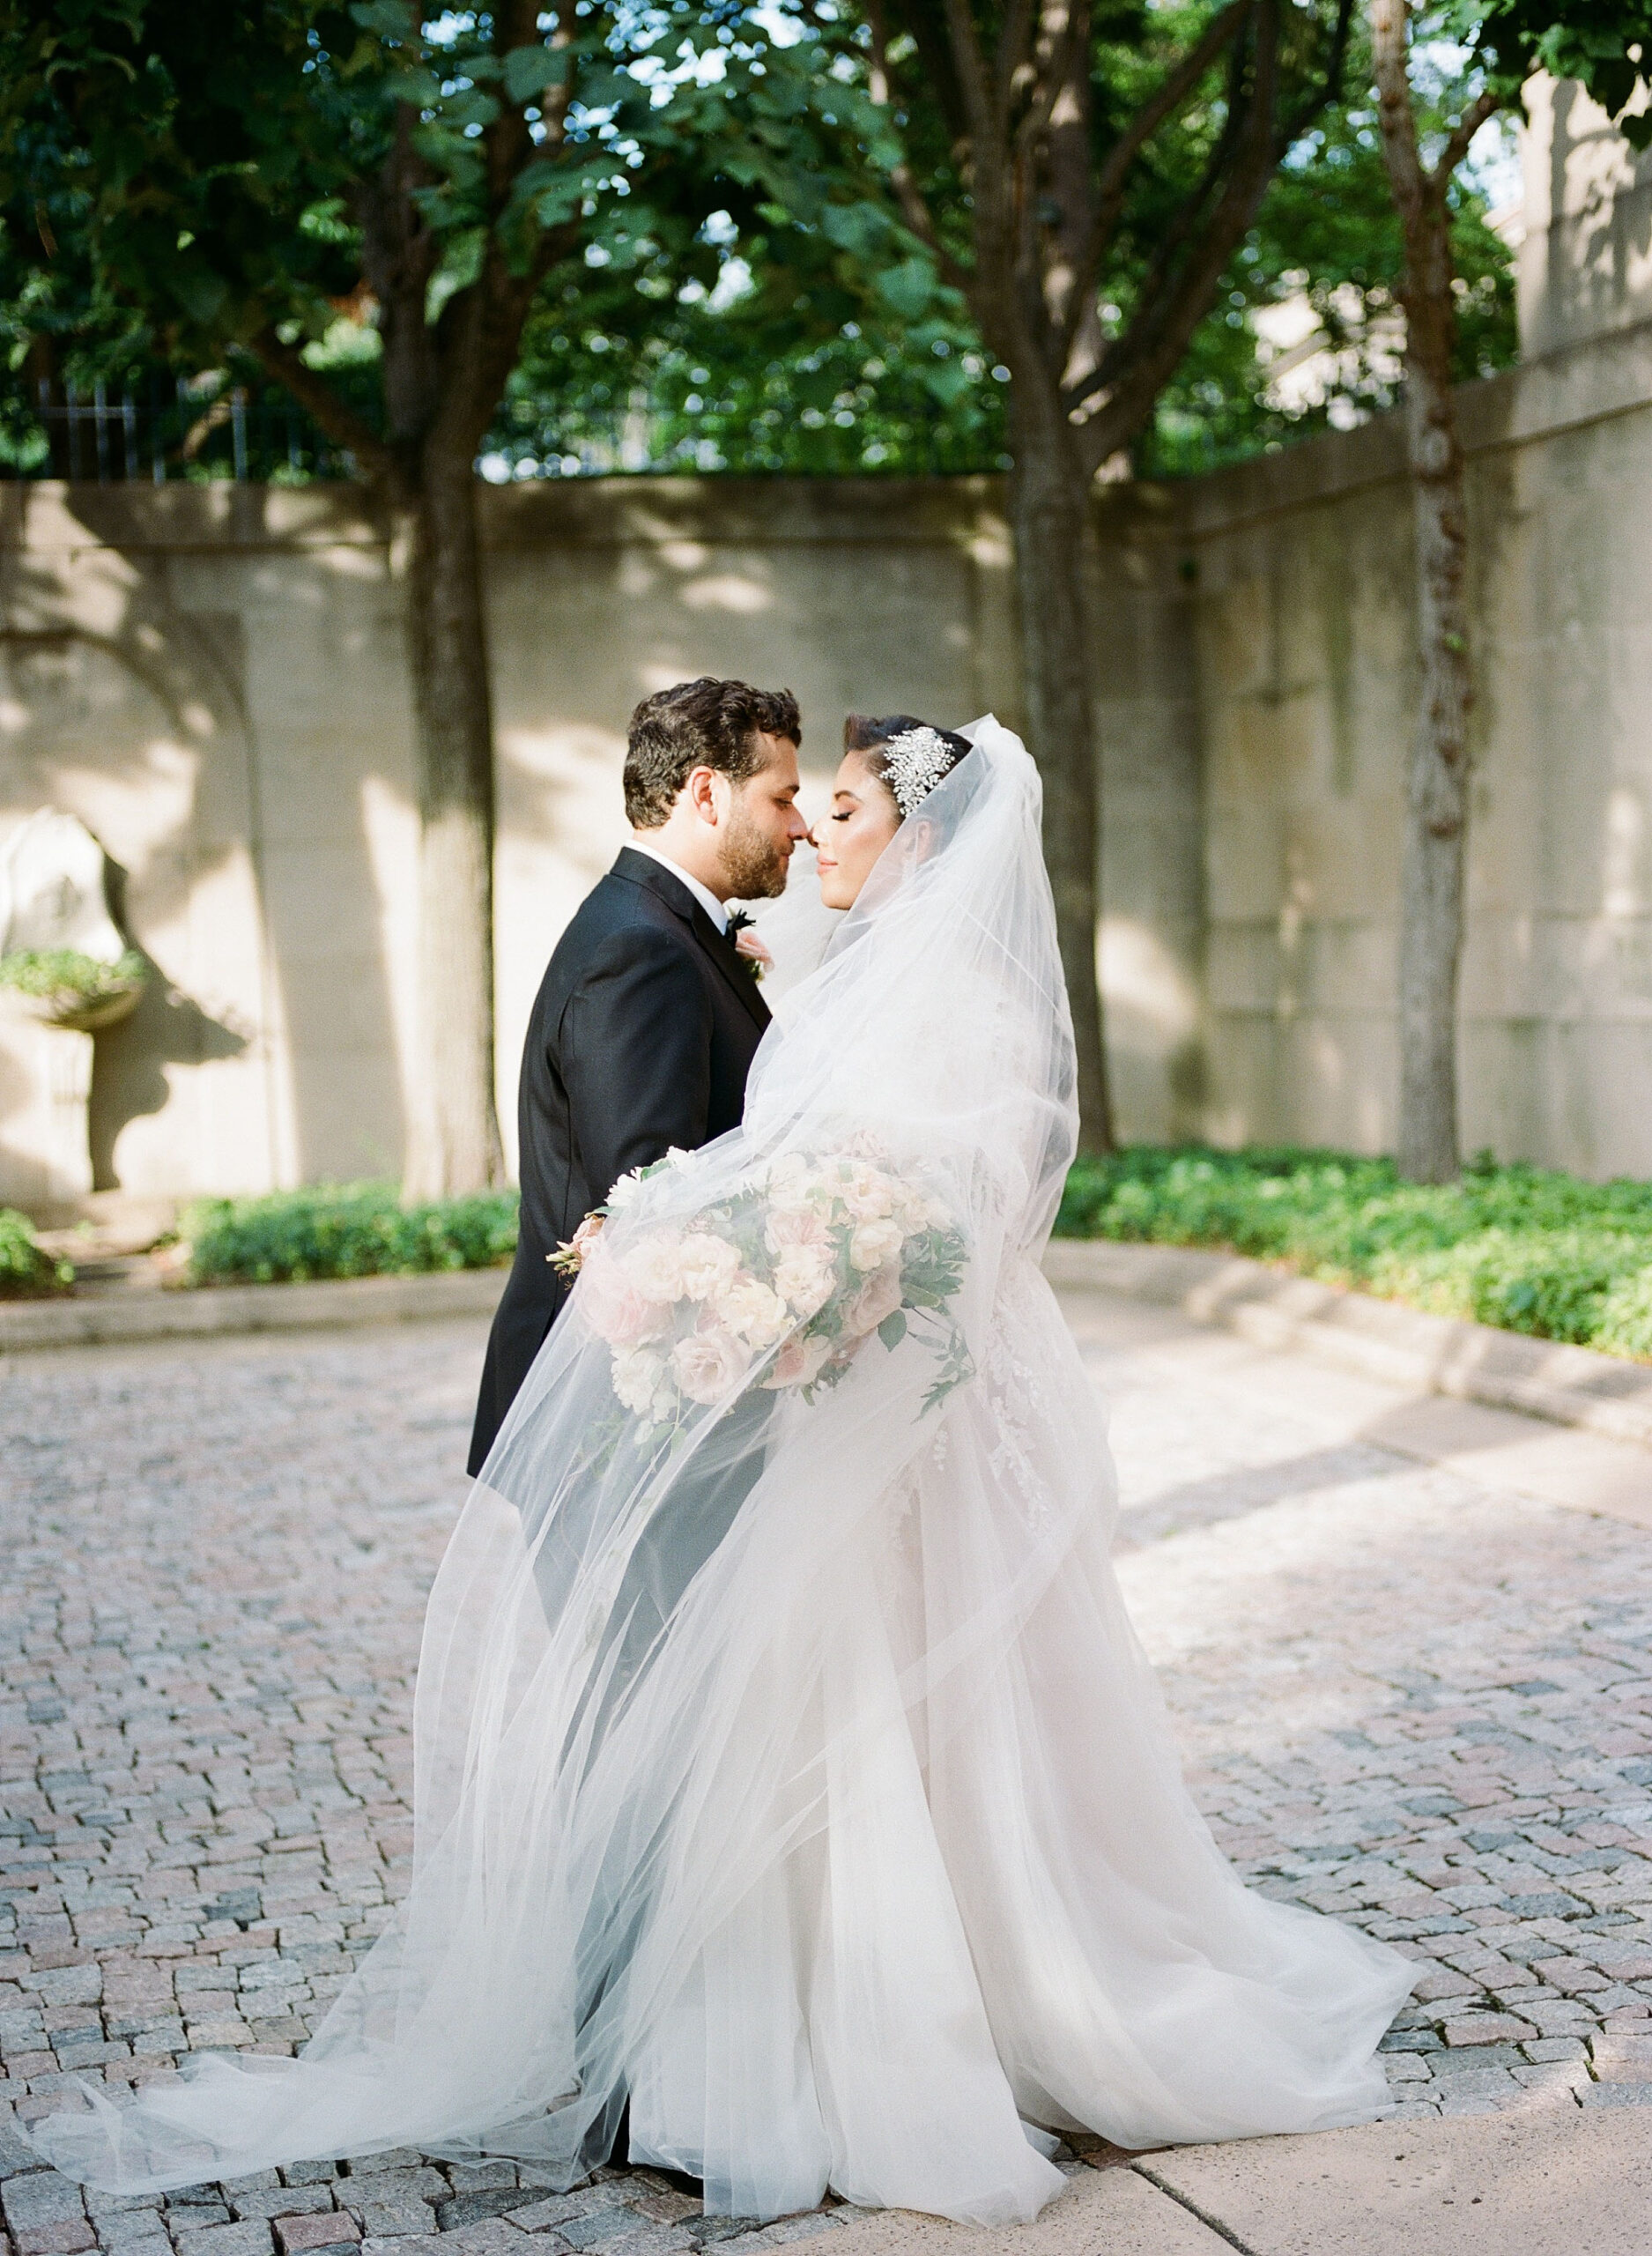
(213, 680)
(1306, 666)
(1585, 261)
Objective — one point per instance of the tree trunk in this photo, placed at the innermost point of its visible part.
(1049, 510)
(453, 1141)
(1437, 794)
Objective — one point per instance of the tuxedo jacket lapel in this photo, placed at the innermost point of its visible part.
(731, 964)
(643, 869)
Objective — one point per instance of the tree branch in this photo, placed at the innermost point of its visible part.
(915, 209)
(507, 143)
(1015, 46)
(1110, 184)
(1485, 105)
(1157, 293)
(1114, 175)
(1143, 360)
(312, 392)
(970, 66)
(1329, 88)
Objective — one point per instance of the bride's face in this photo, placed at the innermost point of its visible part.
(863, 820)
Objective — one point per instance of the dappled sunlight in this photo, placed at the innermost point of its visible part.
(727, 591)
(1150, 997)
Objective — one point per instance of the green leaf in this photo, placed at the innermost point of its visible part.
(861, 229)
(529, 71)
(389, 18)
(893, 1330)
(908, 288)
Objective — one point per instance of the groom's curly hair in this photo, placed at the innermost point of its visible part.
(704, 724)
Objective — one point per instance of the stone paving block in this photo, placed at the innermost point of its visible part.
(489, 2236)
(315, 2229)
(1487, 2029)
(251, 2238)
(279, 2200)
(403, 2216)
(40, 2197)
(553, 2212)
(461, 2209)
(141, 2234)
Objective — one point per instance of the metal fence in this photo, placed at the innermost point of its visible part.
(161, 428)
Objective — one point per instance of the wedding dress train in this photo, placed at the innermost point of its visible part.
(785, 1760)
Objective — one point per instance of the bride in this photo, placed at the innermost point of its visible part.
(785, 1760)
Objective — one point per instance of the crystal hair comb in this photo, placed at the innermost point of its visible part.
(914, 762)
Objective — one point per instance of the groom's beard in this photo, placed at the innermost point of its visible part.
(753, 867)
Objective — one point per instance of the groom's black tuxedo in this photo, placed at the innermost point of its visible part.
(641, 1035)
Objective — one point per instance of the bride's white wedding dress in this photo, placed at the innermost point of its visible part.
(785, 1758)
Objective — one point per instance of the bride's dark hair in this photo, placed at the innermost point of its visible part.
(867, 738)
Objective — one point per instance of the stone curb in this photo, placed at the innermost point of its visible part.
(1569, 1386)
(1380, 1340)
(214, 1309)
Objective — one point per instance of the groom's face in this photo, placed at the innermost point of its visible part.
(763, 824)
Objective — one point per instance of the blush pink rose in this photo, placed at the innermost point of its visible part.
(614, 1307)
(798, 1362)
(790, 1226)
(878, 1299)
(707, 1363)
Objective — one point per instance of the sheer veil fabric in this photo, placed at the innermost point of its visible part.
(797, 1773)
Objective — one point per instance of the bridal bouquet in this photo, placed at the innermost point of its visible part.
(800, 1270)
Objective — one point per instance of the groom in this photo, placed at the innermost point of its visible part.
(647, 1019)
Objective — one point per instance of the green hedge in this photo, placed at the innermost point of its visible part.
(345, 1229)
(1514, 1246)
(1531, 1251)
(25, 1269)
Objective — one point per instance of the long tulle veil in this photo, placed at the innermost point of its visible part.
(741, 1786)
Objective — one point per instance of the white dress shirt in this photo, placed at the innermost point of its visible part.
(717, 910)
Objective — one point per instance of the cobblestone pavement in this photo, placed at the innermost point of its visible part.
(1417, 1701)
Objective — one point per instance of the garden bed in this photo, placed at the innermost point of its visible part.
(354, 1230)
(1526, 1250)
(1519, 1248)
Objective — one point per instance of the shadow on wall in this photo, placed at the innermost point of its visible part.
(128, 1060)
(127, 693)
(1598, 241)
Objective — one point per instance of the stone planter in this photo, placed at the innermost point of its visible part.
(74, 1013)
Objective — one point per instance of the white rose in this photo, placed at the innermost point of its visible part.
(875, 1243)
(911, 1209)
(705, 1265)
(639, 1373)
(707, 1364)
(654, 1268)
(788, 1177)
(867, 1195)
(802, 1277)
(624, 1191)
(748, 1308)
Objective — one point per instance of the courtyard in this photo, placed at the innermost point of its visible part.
(1412, 1684)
